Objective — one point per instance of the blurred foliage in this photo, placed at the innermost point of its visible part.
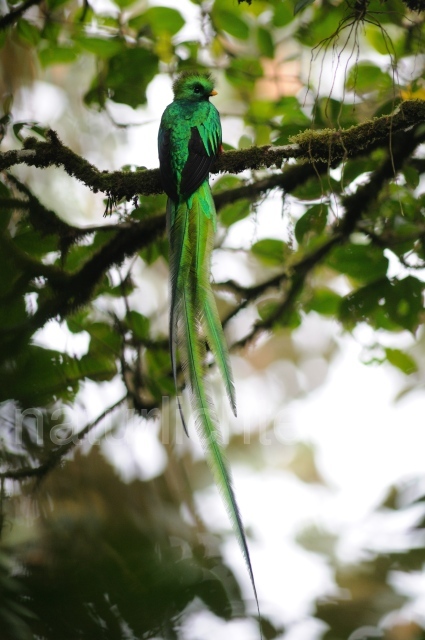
(105, 559)
(83, 554)
(373, 593)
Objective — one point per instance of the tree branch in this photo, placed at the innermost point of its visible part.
(14, 15)
(331, 145)
(288, 179)
(75, 289)
(328, 146)
(57, 455)
(355, 206)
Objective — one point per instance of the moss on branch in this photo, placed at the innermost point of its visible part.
(326, 146)
(330, 145)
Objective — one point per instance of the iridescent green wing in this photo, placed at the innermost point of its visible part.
(204, 145)
(210, 131)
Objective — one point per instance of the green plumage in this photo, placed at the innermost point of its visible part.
(189, 140)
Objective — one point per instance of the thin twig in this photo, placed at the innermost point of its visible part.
(57, 455)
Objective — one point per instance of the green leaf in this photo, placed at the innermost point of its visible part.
(292, 111)
(102, 47)
(4, 191)
(393, 14)
(78, 254)
(268, 307)
(124, 3)
(31, 126)
(270, 251)
(226, 182)
(404, 302)
(164, 19)
(324, 301)
(362, 305)
(234, 212)
(334, 114)
(282, 14)
(401, 360)
(245, 142)
(99, 367)
(51, 32)
(313, 221)
(232, 23)
(57, 55)
(149, 206)
(13, 314)
(35, 243)
(28, 32)
(355, 168)
(386, 42)
(78, 321)
(385, 304)
(159, 380)
(412, 176)
(124, 81)
(39, 376)
(155, 250)
(388, 107)
(139, 325)
(359, 261)
(265, 42)
(285, 134)
(122, 289)
(262, 111)
(10, 273)
(243, 72)
(104, 339)
(366, 77)
(271, 306)
(312, 32)
(312, 189)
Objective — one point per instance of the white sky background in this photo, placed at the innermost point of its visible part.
(363, 441)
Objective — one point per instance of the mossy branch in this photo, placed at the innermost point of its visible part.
(72, 290)
(328, 146)
(331, 145)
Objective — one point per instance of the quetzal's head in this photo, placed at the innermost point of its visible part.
(195, 87)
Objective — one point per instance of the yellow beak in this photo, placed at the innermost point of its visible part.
(213, 92)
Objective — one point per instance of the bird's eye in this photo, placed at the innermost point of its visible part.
(197, 89)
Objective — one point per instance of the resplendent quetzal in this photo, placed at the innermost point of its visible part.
(189, 141)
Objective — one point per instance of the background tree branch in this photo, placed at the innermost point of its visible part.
(327, 146)
(10, 18)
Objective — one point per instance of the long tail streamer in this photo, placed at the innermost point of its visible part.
(194, 320)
